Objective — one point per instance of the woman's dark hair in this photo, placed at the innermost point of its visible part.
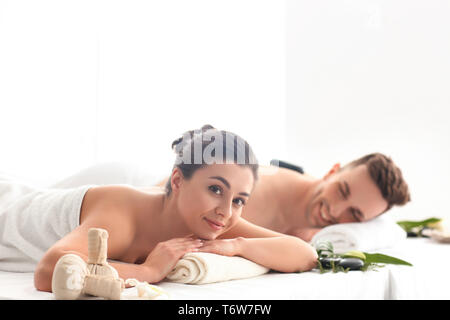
(208, 145)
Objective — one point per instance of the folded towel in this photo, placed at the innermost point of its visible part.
(378, 233)
(203, 267)
(32, 220)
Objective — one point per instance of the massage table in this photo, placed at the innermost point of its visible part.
(427, 279)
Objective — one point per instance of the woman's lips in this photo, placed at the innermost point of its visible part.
(214, 224)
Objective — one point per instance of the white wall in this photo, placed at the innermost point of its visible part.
(83, 82)
(366, 76)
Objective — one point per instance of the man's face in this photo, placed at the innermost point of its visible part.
(347, 195)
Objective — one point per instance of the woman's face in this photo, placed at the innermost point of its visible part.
(211, 201)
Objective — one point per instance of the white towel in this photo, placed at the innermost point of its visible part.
(203, 267)
(32, 220)
(108, 173)
(378, 233)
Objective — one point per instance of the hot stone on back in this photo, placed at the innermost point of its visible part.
(351, 263)
(327, 262)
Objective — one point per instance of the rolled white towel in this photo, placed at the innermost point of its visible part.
(203, 267)
(378, 233)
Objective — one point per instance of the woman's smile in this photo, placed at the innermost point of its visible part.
(215, 225)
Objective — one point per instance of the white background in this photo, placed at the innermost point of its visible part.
(313, 82)
(366, 76)
(86, 82)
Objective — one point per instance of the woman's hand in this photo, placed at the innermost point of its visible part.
(166, 254)
(224, 247)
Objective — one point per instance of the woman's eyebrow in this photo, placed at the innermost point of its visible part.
(223, 180)
(244, 194)
(227, 184)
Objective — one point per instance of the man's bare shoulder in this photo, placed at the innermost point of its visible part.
(277, 172)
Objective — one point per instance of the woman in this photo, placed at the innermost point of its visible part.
(149, 231)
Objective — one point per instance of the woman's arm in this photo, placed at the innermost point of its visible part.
(76, 242)
(158, 264)
(305, 234)
(271, 249)
(284, 254)
(156, 267)
(106, 208)
(109, 208)
(44, 271)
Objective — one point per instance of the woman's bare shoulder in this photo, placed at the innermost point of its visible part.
(109, 199)
(156, 189)
(120, 193)
(109, 208)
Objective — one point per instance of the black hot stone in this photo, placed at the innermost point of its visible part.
(327, 262)
(351, 263)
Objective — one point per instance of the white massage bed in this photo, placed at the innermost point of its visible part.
(427, 279)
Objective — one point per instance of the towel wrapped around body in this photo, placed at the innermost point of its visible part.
(378, 233)
(204, 267)
(32, 220)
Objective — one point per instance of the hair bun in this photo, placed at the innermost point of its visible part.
(207, 127)
(178, 144)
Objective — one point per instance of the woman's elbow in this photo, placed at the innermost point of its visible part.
(309, 260)
(302, 258)
(43, 277)
(44, 270)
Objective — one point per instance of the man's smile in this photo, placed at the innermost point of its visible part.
(323, 214)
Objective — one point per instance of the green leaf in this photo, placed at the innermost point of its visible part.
(354, 254)
(383, 258)
(408, 225)
(325, 249)
(371, 262)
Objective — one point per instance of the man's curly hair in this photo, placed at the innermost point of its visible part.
(387, 176)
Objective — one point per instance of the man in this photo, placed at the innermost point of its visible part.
(299, 204)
